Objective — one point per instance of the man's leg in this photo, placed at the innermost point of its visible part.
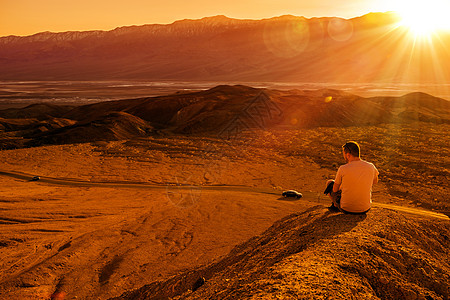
(334, 196)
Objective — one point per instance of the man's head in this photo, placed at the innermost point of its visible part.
(351, 151)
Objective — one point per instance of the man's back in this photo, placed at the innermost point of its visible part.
(356, 179)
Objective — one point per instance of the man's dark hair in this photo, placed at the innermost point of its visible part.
(352, 148)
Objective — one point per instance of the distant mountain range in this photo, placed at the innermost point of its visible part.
(226, 112)
(370, 48)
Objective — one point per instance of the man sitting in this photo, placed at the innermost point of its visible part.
(351, 191)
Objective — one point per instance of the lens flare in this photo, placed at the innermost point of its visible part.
(424, 17)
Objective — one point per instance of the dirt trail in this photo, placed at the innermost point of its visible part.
(309, 196)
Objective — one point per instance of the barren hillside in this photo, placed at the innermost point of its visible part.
(223, 111)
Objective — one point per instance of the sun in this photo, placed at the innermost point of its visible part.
(424, 17)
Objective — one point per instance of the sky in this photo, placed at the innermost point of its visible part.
(27, 17)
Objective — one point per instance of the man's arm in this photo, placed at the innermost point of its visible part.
(336, 187)
(375, 179)
(337, 181)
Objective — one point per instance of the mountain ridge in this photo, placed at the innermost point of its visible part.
(370, 48)
(211, 21)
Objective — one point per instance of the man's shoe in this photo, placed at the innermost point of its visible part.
(333, 208)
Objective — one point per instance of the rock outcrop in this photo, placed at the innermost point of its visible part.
(318, 255)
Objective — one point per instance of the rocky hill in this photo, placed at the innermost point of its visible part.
(109, 127)
(223, 111)
(40, 111)
(318, 255)
(371, 48)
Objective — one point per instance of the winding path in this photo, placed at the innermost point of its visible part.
(232, 188)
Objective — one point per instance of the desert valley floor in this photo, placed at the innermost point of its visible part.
(146, 217)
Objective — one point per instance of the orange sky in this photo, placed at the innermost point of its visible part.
(26, 17)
